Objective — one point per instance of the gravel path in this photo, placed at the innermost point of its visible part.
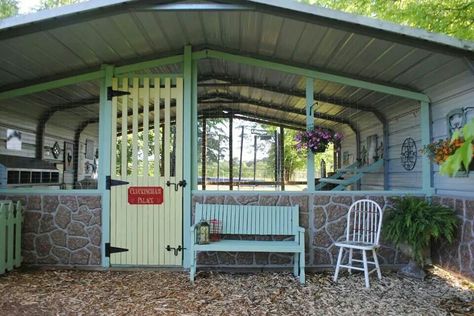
(170, 293)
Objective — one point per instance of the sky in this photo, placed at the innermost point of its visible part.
(26, 6)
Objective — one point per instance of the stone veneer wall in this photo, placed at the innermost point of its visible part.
(459, 256)
(323, 217)
(60, 229)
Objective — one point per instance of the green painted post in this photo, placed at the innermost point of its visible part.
(309, 126)
(427, 179)
(188, 149)
(105, 128)
(3, 242)
(194, 124)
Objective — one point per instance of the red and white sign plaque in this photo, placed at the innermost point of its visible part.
(145, 195)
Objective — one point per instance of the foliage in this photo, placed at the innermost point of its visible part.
(414, 222)
(439, 151)
(316, 140)
(49, 4)
(452, 17)
(8, 8)
(464, 154)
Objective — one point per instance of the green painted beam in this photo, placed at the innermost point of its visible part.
(252, 61)
(309, 126)
(187, 150)
(18, 92)
(426, 168)
(149, 64)
(105, 156)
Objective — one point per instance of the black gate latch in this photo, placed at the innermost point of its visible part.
(181, 183)
(115, 93)
(176, 250)
(110, 249)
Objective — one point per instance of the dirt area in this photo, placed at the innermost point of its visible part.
(266, 293)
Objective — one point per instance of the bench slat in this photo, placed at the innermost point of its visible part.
(251, 219)
(249, 246)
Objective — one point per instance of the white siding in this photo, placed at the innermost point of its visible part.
(455, 93)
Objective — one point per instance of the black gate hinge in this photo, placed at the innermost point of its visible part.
(109, 182)
(109, 249)
(115, 93)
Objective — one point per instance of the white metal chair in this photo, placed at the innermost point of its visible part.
(364, 221)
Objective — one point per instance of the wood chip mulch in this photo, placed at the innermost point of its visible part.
(69, 292)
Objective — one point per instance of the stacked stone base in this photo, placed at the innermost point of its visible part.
(61, 230)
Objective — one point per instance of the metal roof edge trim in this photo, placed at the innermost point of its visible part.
(59, 12)
(363, 21)
(286, 5)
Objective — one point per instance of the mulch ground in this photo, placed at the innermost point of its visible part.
(170, 293)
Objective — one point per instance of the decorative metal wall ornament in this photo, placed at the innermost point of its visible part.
(409, 154)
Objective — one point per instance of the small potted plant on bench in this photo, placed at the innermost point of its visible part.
(412, 224)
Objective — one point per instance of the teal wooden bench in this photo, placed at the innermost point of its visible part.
(252, 220)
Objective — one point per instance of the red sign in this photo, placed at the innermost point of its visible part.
(145, 195)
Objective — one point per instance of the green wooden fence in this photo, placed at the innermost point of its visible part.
(11, 218)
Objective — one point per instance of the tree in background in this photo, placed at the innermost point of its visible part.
(8, 8)
(452, 17)
(49, 4)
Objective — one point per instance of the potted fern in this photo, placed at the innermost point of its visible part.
(412, 224)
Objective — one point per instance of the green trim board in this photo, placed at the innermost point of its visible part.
(188, 129)
(51, 85)
(105, 136)
(278, 66)
(177, 59)
(425, 126)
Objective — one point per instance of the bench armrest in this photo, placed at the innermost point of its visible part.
(301, 229)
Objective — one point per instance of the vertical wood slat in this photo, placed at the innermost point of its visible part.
(122, 212)
(3, 236)
(146, 108)
(18, 226)
(11, 218)
(10, 236)
(113, 163)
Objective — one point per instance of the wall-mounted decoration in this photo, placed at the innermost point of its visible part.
(408, 154)
(68, 156)
(372, 155)
(456, 119)
(89, 149)
(347, 158)
(13, 139)
(56, 150)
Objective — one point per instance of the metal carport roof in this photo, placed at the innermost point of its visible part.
(79, 38)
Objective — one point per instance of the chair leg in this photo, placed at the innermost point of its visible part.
(366, 269)
(302, 265)
(350, 260)
(339, 258)
(296, 264)
(376, 260)
(192, 269)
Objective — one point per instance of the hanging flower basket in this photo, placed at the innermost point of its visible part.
(316, 140)
(439, 151)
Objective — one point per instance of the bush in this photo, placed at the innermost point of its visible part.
(415, 222)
